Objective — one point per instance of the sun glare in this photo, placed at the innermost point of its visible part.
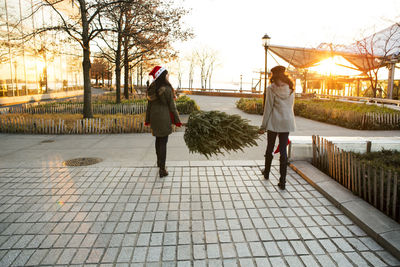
(335, 65)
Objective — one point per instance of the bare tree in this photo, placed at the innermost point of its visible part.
(201, 59)
(142, 30)
(192, 63)
(80, 21)
(112, 40)
(206, 59)
(212, 63)
(151, 30)
(377, 51)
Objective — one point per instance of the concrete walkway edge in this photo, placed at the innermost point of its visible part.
(383, 229)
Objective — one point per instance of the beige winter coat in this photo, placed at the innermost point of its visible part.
(278, 111)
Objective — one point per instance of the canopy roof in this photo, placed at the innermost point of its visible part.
(367, 54)
(301, 57)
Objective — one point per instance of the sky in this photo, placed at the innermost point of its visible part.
(234, 28)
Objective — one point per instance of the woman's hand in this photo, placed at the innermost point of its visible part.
(261, 131)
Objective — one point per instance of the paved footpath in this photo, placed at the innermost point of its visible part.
(205, 213)
(197, 216)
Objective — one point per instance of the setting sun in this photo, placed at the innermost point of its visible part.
(335, 65)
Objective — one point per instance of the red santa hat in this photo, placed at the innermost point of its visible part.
(156, 72)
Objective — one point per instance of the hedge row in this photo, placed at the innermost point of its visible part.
(349, 115)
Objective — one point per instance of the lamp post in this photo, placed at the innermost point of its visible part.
(265, 42)
(240, 82)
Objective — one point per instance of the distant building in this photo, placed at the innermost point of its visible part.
(45, 62)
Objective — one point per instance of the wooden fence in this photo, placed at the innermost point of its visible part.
(390, 119)
(76, 108)
(379, 187)
(83, 126)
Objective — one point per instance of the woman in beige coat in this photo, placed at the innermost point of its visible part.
(278, 120)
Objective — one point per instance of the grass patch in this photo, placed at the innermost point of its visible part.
(387, 159)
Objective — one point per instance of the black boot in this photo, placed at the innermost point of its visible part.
(163, 172)
(268, 161)
(282, 172)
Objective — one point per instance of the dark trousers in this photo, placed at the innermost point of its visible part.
(283, 141)
(161, 151)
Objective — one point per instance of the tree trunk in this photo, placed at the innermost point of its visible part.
(87, 93)
(87, 90)
(126, 67)
(118, 70)
(118, 79)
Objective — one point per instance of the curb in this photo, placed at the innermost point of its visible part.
(380, 227)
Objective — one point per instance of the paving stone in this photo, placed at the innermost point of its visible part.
(285, 248)
(340, 259)
(309, 261)
(199, 252)
(263, 262)
(314, 247)
(257, 249)
(9, 257)
(184, 252)
(51, 257)
(294, 261)
(325, 260)
(23, 241)
(37, 257)
(169, 253)
(356, 259)
(22, 258)
(246, 262)
(95, 255)
(242, 250)
(213, 251)
(154, 254)
(277, 261)
(125, 254)
(66, 256)
(299, 247)
(272, 249)
(372, 258)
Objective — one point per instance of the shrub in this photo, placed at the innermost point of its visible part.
(345, 114)
(387, 159)
(250, 105)
(185, 105)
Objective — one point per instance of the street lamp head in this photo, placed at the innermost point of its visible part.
(266, 40)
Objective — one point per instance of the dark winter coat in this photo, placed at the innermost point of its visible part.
(161, 110)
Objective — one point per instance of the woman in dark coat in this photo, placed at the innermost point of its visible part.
(161, 113)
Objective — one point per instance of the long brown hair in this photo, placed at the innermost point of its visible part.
(279, 74)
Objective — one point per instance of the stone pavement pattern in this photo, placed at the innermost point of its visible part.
(197, 216)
